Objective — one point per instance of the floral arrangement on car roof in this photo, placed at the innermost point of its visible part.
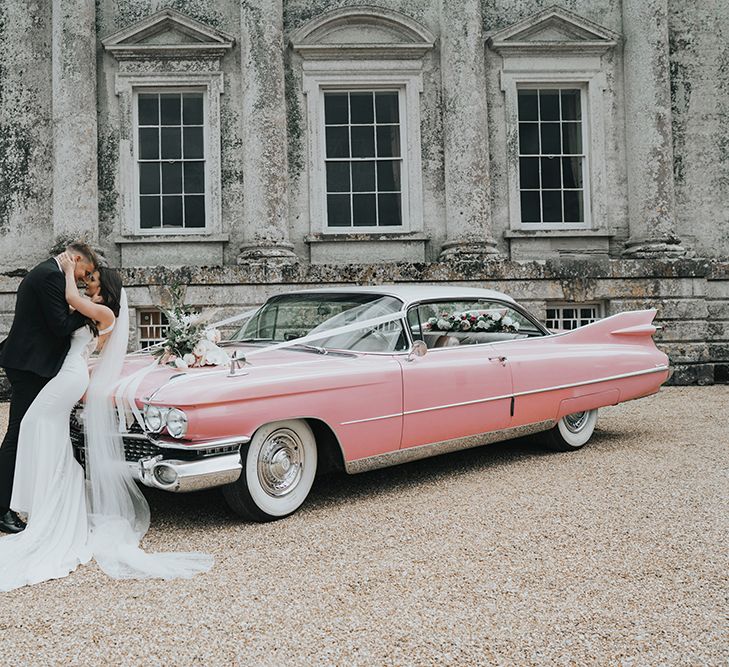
(473, 320)
(190, 342)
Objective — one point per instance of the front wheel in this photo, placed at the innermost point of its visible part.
(572, 431)
(279, 465)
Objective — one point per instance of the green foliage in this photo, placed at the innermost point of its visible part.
(186, 327)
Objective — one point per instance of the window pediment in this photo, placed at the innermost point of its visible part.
(553, 30)
(168, 34)
(362, 32)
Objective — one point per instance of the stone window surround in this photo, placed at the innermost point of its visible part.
(128, 86)
(559, 47)
(592, 84)
(404, 76)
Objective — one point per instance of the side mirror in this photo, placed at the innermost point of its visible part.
(419, 349)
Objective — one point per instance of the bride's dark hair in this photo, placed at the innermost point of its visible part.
(110, 289)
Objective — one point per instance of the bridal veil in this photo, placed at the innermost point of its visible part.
(118, 512)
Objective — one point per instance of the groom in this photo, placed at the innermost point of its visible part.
(33, 352)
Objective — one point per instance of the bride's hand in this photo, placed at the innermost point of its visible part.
(67, 264)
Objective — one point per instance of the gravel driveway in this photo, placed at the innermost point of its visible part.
(500, 555)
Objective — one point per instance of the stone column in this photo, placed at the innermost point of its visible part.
(465, 129)
(75, 146)
(265, 160)
(649, 137)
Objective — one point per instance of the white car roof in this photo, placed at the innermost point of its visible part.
(409, 293)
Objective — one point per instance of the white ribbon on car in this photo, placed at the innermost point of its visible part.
(125, 391)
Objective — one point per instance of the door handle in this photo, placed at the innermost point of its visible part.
(501, 360)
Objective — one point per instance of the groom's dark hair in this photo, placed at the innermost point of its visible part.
(83, 249)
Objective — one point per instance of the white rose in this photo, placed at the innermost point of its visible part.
(217, 357)
(465, 325)
(444, 325)
(507, 321)
(495, 316)
(432, 320)
(481, 324)
(213, 335)
(189, 359)
(180, 363)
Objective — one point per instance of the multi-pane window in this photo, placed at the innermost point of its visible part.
(152, 327)
(363, 158)
(171, 161)
(552, 155)
(571, 316)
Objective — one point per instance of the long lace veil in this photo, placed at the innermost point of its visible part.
(118, 512)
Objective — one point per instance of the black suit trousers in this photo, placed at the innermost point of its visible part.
(25, 387)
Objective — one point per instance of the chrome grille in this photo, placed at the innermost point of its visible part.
(137, 448)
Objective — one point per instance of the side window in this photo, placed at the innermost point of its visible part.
(452, 323)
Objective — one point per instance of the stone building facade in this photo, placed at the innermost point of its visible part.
(574, 156)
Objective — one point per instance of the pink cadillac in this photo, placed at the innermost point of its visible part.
(431, 370)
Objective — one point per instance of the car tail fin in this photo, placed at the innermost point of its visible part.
(633, 324)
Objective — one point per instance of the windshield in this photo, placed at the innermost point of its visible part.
(291, 316)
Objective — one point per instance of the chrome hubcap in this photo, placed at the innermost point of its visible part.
(576, 421)
(280, 463)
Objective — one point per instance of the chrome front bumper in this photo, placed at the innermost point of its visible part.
(183, 476)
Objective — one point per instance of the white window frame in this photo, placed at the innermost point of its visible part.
(584, 122)
(599, 307)
(149, 342)
(128, 87)
(341, 78)
(135, 114)
(592, 85)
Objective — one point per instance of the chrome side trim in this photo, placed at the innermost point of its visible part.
(433, 449)
(657, 369)
(458, 405)
(372, 419)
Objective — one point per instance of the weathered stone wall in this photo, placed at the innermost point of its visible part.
(26, 134)
(691, 296)
(689, 47)
(699, 57)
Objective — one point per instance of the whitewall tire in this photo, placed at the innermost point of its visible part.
(279, 466)
(572, 431)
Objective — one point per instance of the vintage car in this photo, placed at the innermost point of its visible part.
(431, 369)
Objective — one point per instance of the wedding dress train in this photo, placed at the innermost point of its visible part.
(49, 482)
(72, 517)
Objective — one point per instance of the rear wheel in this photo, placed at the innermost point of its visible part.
(279, 465)
(572, 431)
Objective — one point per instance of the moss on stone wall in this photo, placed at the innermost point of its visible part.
(294, 122)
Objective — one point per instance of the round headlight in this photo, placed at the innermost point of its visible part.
(176, 423)
(153, 418)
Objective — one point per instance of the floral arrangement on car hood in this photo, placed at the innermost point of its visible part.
(190, 342)
(473, 320)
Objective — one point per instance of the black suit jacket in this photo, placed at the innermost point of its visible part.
(40, 335)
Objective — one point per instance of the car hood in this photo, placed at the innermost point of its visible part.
(267, 373)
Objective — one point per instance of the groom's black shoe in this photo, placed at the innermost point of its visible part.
(10, 523)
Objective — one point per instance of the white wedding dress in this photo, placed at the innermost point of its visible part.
(49, 482)
(71, 517)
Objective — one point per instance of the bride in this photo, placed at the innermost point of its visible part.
(70, 521)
